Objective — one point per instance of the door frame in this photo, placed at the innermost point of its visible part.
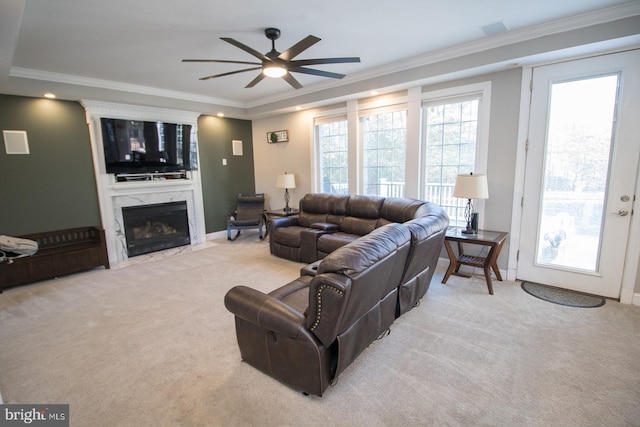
(632, 256)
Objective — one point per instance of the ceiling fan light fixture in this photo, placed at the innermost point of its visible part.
(274, 64)
(274, 71)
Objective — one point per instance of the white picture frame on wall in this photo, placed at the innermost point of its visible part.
(15, 141)
(237, 147)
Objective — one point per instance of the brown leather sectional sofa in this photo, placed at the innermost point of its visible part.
(308, 331)
(328, 221)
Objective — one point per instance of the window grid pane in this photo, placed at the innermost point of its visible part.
(451, 131)
(384, 146)
(333, 144)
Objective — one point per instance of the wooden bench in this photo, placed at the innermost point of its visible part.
(59, 253)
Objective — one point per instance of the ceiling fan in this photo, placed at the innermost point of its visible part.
(275, 64)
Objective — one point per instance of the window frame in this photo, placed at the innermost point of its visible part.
(374, 111)
(317, 161)
(481, 91)
(411, 100)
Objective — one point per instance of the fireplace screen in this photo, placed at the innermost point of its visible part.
(151, 228)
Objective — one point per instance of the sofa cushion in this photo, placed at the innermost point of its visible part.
(319, 207)
(366, 251)
(307, 219)
(359, 226)
(328, 243)
(396, 209)
(364, 206)
(295, 294)
(324, 203)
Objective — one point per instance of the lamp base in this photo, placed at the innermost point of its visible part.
(468, 231)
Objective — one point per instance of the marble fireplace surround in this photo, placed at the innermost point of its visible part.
(113, 196)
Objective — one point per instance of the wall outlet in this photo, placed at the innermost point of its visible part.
(224, 162)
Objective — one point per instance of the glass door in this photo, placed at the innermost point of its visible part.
(580, 175)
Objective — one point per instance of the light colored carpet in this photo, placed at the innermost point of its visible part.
(152, 344)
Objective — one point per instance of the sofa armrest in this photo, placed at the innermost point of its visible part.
(286, 221)
(325, 226)
(265, 311)
(310, 269)
(327, 306)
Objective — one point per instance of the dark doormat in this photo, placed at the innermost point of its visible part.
(562, 296)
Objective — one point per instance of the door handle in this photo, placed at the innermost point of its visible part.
(622, 212)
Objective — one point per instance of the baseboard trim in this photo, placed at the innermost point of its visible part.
(636, 299)
(217, 235)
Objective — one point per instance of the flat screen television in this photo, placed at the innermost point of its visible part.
(132, 146)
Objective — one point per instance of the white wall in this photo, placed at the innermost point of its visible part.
(294, 156)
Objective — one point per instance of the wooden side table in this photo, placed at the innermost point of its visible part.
(493, 239)
(281, 212)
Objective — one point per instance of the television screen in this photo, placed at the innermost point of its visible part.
(142, 147)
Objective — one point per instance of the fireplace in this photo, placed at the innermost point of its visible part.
(150, 228)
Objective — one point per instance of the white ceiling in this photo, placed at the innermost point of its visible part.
(137, 45)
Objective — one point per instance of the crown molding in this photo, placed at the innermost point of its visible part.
(98, 109)
(575, 22)
(70, 79)
(511, 37)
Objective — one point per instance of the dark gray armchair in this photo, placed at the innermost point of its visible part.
(249, 214)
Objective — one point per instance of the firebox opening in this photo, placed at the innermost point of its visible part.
(156, 227)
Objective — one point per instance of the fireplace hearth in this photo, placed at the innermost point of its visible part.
(151, 228)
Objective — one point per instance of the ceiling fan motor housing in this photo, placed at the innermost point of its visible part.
(272, 33)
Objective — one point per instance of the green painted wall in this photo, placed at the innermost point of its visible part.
(221, 184)
(54, 186)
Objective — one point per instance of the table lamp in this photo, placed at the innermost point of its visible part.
(286, 181)
(470, 187)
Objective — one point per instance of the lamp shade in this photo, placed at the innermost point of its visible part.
(471, 187)
(286, 180)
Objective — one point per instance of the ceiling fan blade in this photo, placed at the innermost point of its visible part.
(304, 62)
(230, 73)
(222, 61)
(246, 48)
(255, 81)
(315, 72)
(292, 81)
(299, 47)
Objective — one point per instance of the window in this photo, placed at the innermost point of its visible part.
(383, 153)
(451, 145)
(332, 138)
(405, 144)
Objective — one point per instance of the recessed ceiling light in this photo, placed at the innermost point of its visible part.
(298, 108)
(373, 93)
(220, 114)
(50, 95)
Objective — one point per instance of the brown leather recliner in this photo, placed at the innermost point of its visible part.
(310, 330)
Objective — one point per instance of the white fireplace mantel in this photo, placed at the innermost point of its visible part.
(113, 196)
